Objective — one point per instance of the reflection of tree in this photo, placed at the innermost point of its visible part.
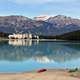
(50, 51)
(77, 45)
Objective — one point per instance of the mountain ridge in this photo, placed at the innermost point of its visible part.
(56, 25)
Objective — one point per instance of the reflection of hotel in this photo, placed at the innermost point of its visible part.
(18, 42)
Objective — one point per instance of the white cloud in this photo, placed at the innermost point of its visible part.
(38, 1)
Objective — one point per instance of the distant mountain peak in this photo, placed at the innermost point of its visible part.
(14, 17)
(62, 20)
(60, 17)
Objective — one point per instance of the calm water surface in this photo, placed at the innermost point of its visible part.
(28, 55)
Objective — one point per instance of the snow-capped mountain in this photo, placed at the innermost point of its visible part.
(41, 18)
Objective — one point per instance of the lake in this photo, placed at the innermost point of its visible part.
(28, 55)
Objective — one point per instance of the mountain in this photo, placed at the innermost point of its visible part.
(57, 25)
(47, 26)
(64, 24)
(61, 20)
(11, 24)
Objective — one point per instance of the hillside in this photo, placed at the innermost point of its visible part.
(75, 35)
(70, 36)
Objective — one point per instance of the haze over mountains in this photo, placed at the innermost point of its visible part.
(47, 26)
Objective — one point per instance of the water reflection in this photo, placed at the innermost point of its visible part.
(19, 42)
(41, 52)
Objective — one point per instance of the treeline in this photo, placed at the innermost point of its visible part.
(4, 35)
(71, 36)
(67, 36)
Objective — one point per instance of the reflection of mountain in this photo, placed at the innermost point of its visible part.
(43, 59)
(43, 52)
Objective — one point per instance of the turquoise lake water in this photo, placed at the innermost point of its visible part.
(28, 55)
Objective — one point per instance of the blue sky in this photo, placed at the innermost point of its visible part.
(33, 8)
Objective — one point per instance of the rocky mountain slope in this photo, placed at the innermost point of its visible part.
(56, 25)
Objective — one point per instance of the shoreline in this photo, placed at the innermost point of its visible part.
(51, 74)
(6, 39)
